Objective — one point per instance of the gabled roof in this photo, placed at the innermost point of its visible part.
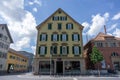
(101, 36)
(5, 26)
(59, 9)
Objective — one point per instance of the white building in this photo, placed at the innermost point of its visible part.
(5, 40)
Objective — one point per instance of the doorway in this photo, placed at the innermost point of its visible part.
(59, 67)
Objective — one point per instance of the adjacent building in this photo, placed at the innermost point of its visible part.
(16, 62)
(5, 41)
(109, 46)
(59, 46)
(30, 58)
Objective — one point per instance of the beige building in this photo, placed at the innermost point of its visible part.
(16, 62)
(59, 46)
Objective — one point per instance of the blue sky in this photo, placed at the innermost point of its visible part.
(22, 16)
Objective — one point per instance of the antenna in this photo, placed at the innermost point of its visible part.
(105, 29)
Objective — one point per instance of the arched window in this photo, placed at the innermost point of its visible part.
(114, 54)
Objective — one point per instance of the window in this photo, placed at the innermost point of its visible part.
(55, 37)
(55, 18)
(43, 37)
(59, 26)
(114, 54)
(69, 26)
(64, 37)
(49, 26)
(42, 50)
(53, 49)
(1, 35)
(75, 37)
(64, 50)
(0, 66)
(76, 50)
(63, 18)
(99, 44)
(113, 44)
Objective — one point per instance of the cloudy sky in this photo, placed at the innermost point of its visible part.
(22, 17)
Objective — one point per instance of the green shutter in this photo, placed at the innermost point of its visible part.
(51, 52)
(66, 26)
(67, 36)
(40, 37)
(39, 50)
(72, 26)
(72, 37)
(73, 49)
(60, 49)
(79, 50)
(52, 37)
(45, 50)
(66, 18)
(67, 49)
(61, 37)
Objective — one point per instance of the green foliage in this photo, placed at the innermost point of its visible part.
(96, 55)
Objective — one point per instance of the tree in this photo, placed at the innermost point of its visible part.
(96, 57)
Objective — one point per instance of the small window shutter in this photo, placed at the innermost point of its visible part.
(79, 50)
(60, 49)
(67, 50)
(67, 36)
(55, 49)
(51, 50)
(66, 18)
(73, 49)
(72, 26)
(45, 50)
(53, 18)
(66, 26)
(61, 37)
(40, 37)
(52, 37)
(78, 37)
(39, 50)
(57, 37)
(72, 37)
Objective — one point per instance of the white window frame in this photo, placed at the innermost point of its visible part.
(43, 38)
(64, 37)
(69, 26)
(76, 50)
(64, 50)
(54, 37)
(75, 36)
(42, 50)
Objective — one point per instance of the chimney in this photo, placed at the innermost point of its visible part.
(105, 29)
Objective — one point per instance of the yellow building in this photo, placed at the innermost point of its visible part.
(16, 62)
(59, 46)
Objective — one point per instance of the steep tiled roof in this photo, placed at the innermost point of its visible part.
(101, 36)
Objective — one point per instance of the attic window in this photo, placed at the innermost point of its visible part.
(2, 28)
(59, 12)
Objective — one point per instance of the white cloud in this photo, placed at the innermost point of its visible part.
(116, 17)
(35, 9)
(98, 22)
(38, 2)
(21, 23)
(86, 25)
(117, 32)
(112, 27)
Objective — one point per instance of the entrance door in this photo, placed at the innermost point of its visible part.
(59, 67)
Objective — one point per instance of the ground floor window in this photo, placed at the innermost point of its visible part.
(44, 66)
(117, 65)
(72, 66)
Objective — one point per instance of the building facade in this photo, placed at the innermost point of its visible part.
(109, 46)
(5, 41)
(30, 58)
(59, 46)
(16, 62)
